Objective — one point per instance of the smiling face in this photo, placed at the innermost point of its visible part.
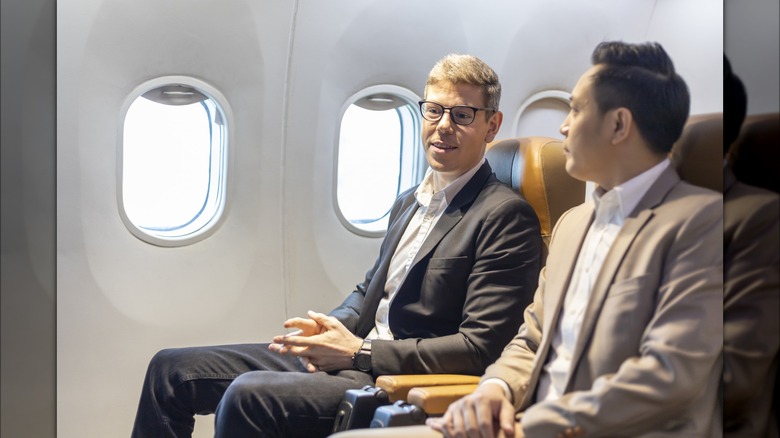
(453, 149)
(588, 133)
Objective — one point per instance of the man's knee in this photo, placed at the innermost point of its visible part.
(166, 363)
(242, 389)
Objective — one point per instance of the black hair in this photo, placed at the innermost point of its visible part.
(641, 78)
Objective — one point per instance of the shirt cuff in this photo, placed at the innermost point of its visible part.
(504, 386)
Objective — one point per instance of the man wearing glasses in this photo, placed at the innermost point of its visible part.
(625, 334)
(461, 255)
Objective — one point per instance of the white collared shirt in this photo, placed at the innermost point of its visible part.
(432, 204)
(611, 210)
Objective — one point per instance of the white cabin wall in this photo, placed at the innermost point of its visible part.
(120, 299)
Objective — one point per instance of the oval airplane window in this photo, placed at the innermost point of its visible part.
(173, 161)
(379, 156)
(542, 114)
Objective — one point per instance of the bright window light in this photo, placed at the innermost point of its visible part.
(379, 157)
(173, 163)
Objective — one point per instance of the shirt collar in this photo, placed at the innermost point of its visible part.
(425, 190)
(628, 194)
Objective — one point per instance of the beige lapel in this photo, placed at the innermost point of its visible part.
(557, 283)
(567, 240)
(631, 228)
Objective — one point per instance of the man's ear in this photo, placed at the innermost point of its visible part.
(493, 125)
(622, 124)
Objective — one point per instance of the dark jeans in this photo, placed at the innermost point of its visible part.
(254, 392)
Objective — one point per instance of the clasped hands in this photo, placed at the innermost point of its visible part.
(320, 341)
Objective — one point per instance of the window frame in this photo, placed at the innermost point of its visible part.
(554, 95)
(410, 98)
(212, 224)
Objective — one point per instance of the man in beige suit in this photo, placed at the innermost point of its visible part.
(625, 333)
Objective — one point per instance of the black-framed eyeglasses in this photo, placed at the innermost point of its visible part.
(459, 114)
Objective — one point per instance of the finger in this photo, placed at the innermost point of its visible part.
(295, 322)
(300, 341)
(474, 424)
(449, 420)
(483, 416)
(506, 418)
(457, 425)
(324, 320)
(434, 423)
(281, 339)
(306, 362)
(306, 325)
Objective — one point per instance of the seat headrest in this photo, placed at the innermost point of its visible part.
(536, 167)
(698, 153)
(756, 152)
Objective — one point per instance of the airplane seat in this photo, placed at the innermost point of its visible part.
(756, 152)
(536, 167)
(698, 153)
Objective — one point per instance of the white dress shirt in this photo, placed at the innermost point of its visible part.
(432, 201)
(611, 209)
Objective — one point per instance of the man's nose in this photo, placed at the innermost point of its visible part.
(445, 122)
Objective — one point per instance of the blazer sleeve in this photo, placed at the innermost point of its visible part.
(516, 362)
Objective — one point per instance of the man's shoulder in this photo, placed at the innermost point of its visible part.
(495, 193)
(693, 196)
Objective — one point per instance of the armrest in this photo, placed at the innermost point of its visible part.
(434, 400)
(398, 386)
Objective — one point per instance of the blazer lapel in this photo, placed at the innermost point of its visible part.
(558, 283)
(617, 253)
(454, 212)
(377, 287)
(560, 269)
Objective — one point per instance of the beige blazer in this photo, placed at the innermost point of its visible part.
(751, 243)
(648, 359)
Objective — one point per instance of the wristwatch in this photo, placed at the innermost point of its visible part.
(361, 360)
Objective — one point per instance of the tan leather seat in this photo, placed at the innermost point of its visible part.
(536, 167)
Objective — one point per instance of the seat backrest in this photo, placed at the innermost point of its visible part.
(698, 153)
(536, 167)
(756, 152)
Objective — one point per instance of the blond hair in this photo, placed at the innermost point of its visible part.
(467, 69)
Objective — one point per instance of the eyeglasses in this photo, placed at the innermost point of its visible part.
(459, 114)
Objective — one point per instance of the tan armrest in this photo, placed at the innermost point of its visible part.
(398, 386)
(435, 399)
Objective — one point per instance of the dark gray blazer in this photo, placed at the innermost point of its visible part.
(464, 296)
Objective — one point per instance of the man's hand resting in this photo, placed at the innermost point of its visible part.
(322, 342)
(485, 413)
